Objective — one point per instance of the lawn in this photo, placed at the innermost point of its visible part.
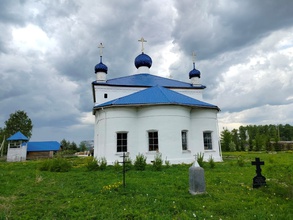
(27, 193)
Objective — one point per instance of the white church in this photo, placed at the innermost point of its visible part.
(148, 114)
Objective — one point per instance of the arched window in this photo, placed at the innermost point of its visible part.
(207, 140)
(121, 141)
(153, 137)
(184, 140)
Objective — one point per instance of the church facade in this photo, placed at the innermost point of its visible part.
(147, 114)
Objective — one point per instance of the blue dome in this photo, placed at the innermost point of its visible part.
(143, 60)
(194, 73)
(100, 67)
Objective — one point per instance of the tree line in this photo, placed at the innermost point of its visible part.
(257, 138)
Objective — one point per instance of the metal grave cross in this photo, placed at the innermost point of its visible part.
(257, 163)
(259, 180)
(124, 170)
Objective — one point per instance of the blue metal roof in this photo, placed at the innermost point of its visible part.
(147, 80)
(18, 136)
(156, 95)
(43, 146)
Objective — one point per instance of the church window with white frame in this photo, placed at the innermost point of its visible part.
(121, 141)
(153, 140)
(207, 140)
(184, 140)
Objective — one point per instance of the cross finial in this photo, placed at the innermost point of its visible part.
(142, 40)
(101, 48)
(193, 58)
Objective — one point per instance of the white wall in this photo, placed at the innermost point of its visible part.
(16, 154)
(168, 120)
(118, 92)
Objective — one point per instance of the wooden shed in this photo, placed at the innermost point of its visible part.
(42, 149)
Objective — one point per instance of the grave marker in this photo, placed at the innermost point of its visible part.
(196, 179)
(259, 180)
(124, 170)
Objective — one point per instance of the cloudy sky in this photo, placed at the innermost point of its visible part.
(48, 50)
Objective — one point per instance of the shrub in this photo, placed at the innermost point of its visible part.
(128, 163)
(212, 162)
(140, 162)
(158, 162)
(116, 165)
(102, 163)
(45, 165)
(92, 164)
(240, 161)
(200, 159)
(167, 163)
(55, 165)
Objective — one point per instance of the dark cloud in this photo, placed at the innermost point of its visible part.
(212, 28)
(240, 48)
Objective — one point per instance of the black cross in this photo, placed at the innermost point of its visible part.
(259, 180)
(124, 171)
(257, 163)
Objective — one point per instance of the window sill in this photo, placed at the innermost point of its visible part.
(186, 151)
(211, 150)
(152, 152)
(121, 153)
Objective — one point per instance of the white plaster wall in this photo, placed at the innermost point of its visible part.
(205, 120)
(113, 93)
(118, 92)
(168, 120)
(16, 154)
(192, 93)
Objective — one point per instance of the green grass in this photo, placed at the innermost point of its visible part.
(27, 193)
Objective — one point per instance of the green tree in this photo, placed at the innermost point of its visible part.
(243, 137)
(82, 146)
(235, 139)
(225, 139)
(18, 121)
(69, 147)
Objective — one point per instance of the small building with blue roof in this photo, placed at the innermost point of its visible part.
(147, 114)
(20, 148)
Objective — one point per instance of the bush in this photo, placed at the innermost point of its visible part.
(55, 165)
(116, 165)
(140, 162)
(200, 159)
(240, 161)
(45, 165)
(212, 162)
(91, 164)
(167, 163)
(102, 163)
(128, 163)
(158, 162)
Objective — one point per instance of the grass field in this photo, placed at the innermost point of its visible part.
(27, 193)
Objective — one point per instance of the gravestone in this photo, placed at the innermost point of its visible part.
(259, 180)
(196, 179)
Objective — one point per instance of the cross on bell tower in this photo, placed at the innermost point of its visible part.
(193, 59)
(101, 46)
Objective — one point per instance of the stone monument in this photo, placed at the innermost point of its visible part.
(196, 179)
(259, 180)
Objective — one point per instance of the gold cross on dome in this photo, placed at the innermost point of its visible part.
(101, 49)
(142, 40)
